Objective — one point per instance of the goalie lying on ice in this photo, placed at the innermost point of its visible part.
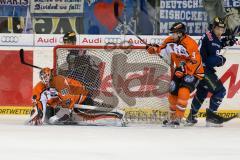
(57, 100)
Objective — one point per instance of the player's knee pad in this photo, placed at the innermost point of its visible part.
(183, 96)
(200, 96)
(216, 98)
(172, 99)
(180, 110)
(173, 108)
(220, 93)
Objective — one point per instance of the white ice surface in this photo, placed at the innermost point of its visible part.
(141, 142)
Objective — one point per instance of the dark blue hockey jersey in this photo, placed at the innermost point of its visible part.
(210, 47)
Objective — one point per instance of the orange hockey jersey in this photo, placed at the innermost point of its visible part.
(184, 51)
(69, 92)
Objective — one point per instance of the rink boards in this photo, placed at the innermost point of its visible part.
(17, 80)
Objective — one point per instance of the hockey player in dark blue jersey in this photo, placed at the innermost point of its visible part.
(210, 46)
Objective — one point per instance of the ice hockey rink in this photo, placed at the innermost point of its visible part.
(113, 36)
(135, 142)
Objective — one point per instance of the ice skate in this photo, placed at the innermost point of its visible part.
(191, 119)
(212, 119)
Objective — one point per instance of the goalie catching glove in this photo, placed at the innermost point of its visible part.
(36, 115)
(50, 96)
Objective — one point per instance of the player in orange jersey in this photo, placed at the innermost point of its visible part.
(187, 69)
(55, 98)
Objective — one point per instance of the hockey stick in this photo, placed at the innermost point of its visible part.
(21, 54)
(116, 14)
(97, 109)
(236, 30)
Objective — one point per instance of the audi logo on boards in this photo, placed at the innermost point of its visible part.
(155, 41)
(9, 39)
(112, 40)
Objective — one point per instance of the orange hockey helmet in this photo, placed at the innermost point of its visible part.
(178, 27)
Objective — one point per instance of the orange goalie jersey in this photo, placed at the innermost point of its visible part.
(184, 51)
(62, 91)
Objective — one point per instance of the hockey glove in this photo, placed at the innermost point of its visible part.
(152, 48)
(228, 41)
(222, 61)
(181, 70)
(36, 116)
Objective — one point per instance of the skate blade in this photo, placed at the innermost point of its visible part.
(171, 126)
(189, 124)
(209, 124)
(175, 126)
(114, 123)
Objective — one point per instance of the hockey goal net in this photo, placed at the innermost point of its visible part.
(123, 77)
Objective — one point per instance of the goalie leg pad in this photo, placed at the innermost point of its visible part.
(94, 117)
(61, 116)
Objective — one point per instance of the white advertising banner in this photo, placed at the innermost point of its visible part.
(57, 6)
(118, 40)
(51, 40)
(16, 39)
(48, 40)
(126, 40)
(100, 40)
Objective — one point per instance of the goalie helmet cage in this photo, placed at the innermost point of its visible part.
(123, 77)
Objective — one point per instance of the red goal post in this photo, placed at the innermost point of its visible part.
(123, 77)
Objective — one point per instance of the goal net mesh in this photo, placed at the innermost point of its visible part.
(126, 78)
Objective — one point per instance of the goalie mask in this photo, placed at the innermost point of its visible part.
(75, 57)
(69, 38)
(45, 75)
